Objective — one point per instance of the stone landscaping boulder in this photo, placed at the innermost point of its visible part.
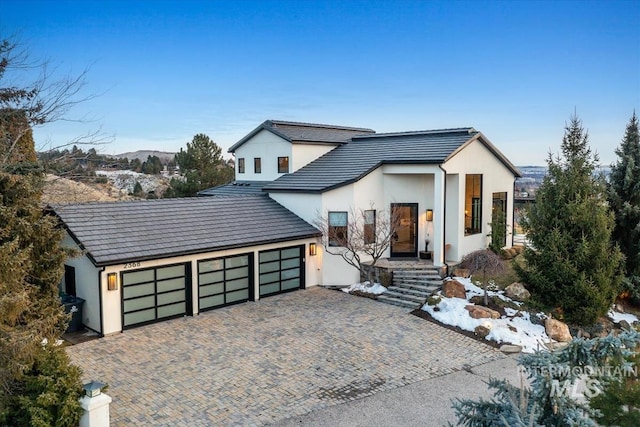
(557, 330)
(480, 312)
(482, 331)
(510, 348)
(517, 291)
(625, 325)
(553, 346)
(454, 289)
(461, 272)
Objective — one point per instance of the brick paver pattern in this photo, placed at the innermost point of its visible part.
(260, 362)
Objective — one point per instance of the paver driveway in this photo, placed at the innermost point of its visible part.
(256, 363)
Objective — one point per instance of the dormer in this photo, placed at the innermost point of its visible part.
(276, 147)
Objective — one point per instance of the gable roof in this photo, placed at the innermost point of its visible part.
(350, 162)
(305, 133)
(120, 232)
(236, 188)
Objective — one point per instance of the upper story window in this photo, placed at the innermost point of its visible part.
(338, 228)
(473, 204)
(257, 165)
(283, 164)
(241, 165)
(369, 226)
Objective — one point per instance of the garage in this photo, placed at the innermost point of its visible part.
(224, 281)
(281, 270)
(154, 294)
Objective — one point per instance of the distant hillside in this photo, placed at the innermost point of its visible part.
(142, 155)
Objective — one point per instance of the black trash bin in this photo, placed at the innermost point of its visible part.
(73, 305)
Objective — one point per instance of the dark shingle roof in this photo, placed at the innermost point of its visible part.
(115, 233)
(236, 188)
(306, 133)
(350, 162)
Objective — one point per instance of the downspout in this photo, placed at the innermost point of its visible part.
(444, 221)
(100, 300)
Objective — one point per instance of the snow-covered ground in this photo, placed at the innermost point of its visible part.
(125, 180)
(617, 317)
(514, 328)
(367, 287)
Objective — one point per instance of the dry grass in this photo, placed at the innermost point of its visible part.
(63, 190)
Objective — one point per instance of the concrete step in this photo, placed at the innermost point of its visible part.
(417, 281)
(422, 293)
(405, 296)
(400, 302)
(404, 273)
(419, 286)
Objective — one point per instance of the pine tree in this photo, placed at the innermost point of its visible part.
(571, 264)
(202, 167)
(624, 200)
(38, 385)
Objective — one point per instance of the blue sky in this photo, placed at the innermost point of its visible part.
(166, 70)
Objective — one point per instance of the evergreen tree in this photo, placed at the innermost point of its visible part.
(553, 376)
(624, 200)
(571, 264)
(38, 385)
(201, 166)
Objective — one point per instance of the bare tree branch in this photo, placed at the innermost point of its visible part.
(27, 104)
(366, 236)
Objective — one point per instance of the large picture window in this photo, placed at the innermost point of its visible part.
(283, 165)
(241, 165)
(369, 226)
(337, 228)
(473, 204)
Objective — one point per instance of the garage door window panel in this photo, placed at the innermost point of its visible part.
(140, 317)
(138, 277)
(133, 291)
(171, 310)
(140, 303)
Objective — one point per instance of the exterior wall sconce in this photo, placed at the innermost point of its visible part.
(312, 249)
(112, 282)
(429, 215)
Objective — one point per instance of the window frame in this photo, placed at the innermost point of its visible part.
(369, 228)
(241, 168)
(473, 204)
(335, 229)
(281, 167)
(257, 165)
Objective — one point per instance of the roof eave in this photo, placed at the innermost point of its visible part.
(492, 148)
(266, 125)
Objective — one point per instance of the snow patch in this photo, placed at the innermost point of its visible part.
(515, 328)
(617, 317)
(367, 287)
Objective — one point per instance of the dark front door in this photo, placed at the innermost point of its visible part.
(405, 240)
(69, 280)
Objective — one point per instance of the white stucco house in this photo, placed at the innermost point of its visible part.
(445, 184)
(147, 261)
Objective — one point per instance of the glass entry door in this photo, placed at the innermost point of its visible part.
(404, 242)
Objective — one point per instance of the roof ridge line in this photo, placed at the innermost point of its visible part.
(320, 125)
(468, 130)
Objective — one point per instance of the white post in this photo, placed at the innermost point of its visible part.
(95, 405)
(438, 218)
